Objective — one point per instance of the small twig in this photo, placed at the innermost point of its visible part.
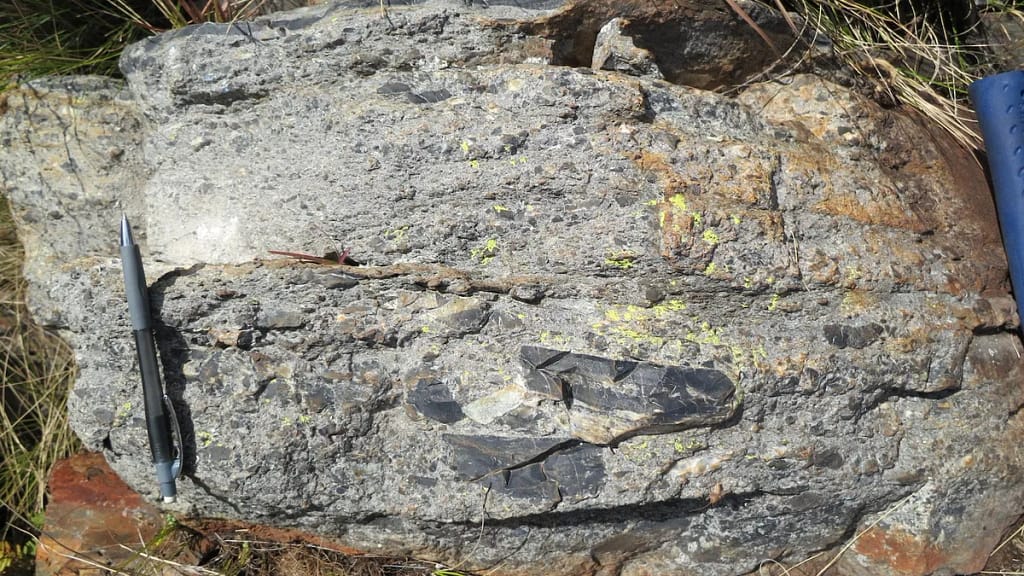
(302, 257)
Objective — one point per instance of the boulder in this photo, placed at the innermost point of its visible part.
(588, 322)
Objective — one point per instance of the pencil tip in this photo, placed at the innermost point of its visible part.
(126, 231)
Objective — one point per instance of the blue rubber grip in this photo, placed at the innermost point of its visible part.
(999, 102)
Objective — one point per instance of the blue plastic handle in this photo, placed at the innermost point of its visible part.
(999, 101)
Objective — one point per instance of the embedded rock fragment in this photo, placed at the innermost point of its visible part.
(614, 50)
(434, 400)
(609, 400)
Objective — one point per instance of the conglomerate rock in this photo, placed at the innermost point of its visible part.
(588, 322)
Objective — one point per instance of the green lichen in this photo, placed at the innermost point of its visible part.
(692, 445)
(553, 338)
(710, 236)
(123, 412)
(678, 202)
(739, 355)
(636, 336)
(397, 234)
(676, 206)
(623, 260)
(706, 334)
(643, 331)
(205, 438)
(486, 252)
(622, 263)
(667, 306)
(633, 325)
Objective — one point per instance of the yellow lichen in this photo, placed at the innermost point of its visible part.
(678, 202)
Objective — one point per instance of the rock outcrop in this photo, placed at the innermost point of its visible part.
(589, 322)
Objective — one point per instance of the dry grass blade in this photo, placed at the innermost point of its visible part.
(181, 13)
(36, 371)
(753, 25)
(789, 19)
(854, 540)
(39, 37)
(1018, 533)
(911, 55)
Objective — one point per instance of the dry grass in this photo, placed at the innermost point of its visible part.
(39, 37)
(36, 371)
(181, 13)
(211, 549)
(913, 55)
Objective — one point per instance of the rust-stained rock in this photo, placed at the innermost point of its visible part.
(93, 519)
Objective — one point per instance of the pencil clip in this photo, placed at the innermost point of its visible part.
(176, 444)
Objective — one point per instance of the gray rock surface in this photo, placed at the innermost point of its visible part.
(590, 323)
